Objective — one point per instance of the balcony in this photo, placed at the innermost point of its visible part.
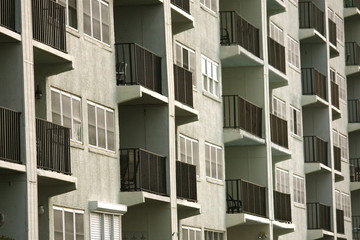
(282, 207)
(354, 174)
(311, 23)
(242, 121)
(313, 87)
(354, 115)
(186, 181)
(352, 54)
(138, 75)
(351, 8)
(333, 39)
(279, 135)
(316, 154)
(319, 220)
(275, 7)
(356, 227)
(239, 39)
(8, 31)
(335, 99)
(180, 15)
(340, 221)
(277, 69)
(337, 164)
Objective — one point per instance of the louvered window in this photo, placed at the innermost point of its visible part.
(104, 226)
(189, 151)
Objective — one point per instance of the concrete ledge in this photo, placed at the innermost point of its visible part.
(239, 137)
(185, 114)
(17, 167)
(276, 78)
(311, 35)
(354, 186)
(137, 94)
(318, 233)
(50, 55)
(236, 56)
(283, 228)
(353, 127)
(7, 35)
(56, 176)
(107, 207)
(338, 176)
(349, 12)
(234, 219)
(352, 70)
(336, 113)
(313, 101)
(141, 197)
(187, 208)
(316, 167)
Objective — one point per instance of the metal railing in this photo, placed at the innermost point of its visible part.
(7, 14)
(340, 221)
(352, 53)
(311, 17)
(136, 65)
(53, 147)
(276, 55)
(239, 113)
(318, 216)
(183, 4)
(186, 181)
(337, 158)
(245, 197)
(313, 82)
(315, 150)
(354, 110)
(279, 131)
(356, 227)
(49, 27)
(352, 3)
(183, 85)
(335, 99)
(282, 207)
(142, 170)
(332, 32)
(355, 170)
(236, 30)
(9, 135)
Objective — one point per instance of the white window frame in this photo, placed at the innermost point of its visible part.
(342, 202)
(193, 154)
(210, 75)
(190, 229)
(277, 33)
(203, 4)
(213, 232)
(295, 128)
(295, 2)
(299, 189)
(340, 80)
(293, 52)
(282, 178)
(73, 211)
(343, 144)
(279, 107)
(67, 13)
(339, 28)
(219, 175)
(102, 226)
(192, 64)
(96, 126)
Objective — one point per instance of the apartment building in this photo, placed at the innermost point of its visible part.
(179, 119)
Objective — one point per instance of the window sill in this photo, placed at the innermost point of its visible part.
(104, 46)
(208, 10)
(76, 144)
(300, 205)
(101, 151)
(297, 137)
(347, 219)
(296, 69)
(73, 31)
(215, 181)
(213, 97)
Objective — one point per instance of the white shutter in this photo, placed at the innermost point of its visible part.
(95, 226)
(116, 227)
(107, 226)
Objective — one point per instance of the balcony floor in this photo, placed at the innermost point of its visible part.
(185, 114)
(187, 208)
(8, 36)
(318, 234)
(280, 153)
(281, 228)
(334, 52)
(316, 167)
(311, 35)
(313, 101)
(136, 2)
(141, 197)
(235, 219)
(181, 20)
(239, 137)
(352, 70)
(7, 167)
(351, 12)
(277, 79)
(338, 176)
(137, 94)
(354, 186)
(54, 183)
(237, 56)
(275, 6)
(336, 113)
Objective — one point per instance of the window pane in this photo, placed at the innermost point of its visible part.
(58, 226)
(116, 227)
(213, 162)
(92, 125)
(95, 226)
(107, 227)
(66, 107)
(188, 152)
(79, 220)
(207, 159)
(69, 225)
(76, 129)
(219, 164)
(110, 130)
(196, 156)
(185, 59)
(72, 11)
(185, 234)
(87, 18)
(55, 107)
(182, 149)
(96, 19)
(100, 113)
(105, 23)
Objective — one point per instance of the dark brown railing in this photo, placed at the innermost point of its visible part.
(183, 85)
(337, 158)
(53, 147)
(236, 30)
(340, 221)
(352, 51)
(239, 113)
(313, 83)
(335, 100)
(354, 110)
(186, 181)
(245, 197)
(318, 216)
(352, 3)
(279, 131)
(49, 23)
(142, 170)
(311, 17)
(276, 55)
(315, 150)
(332, 32)
(136, 65)
(355, 170)
(9, 135)
(7, 14)
(282, 206)
(356, 226)
(183, 4)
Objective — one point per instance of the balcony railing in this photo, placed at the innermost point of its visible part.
(318, 216)
(335, 100)
(332, 32)
(236, 30)
(239, 113)
(355, 171)
(276, 55)
(352, 51)
(282, 206)
(53, 147)
(337, 158)
(340, 221)
(311, 17)
(354, 110)
(49, 23)
(183, 85)
(7, 14)
(279, 131)
(313, 83)
(315, 150)
(136, 65)
(245, 197)
(183, 4)
(356, 227)
(352, 3)
(9, 135)
(142, 170)
(186, 181)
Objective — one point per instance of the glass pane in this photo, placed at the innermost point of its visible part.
(214, 5)
(72, 14)
(110, 130)
(188, 152)
(101, 127)
(185, 59)
(219, 164)
(58, 226)
(79, 221)
(198, 235)
(66, 107)
(96, 19)
(182, 149)
(185, 234)
(55, 107)
(213, 162)
(207, 159)
(203, 66)
(92, 125)
(178, 55)
(69, 226)
(87, 18)
(76, 129)
(105, 23)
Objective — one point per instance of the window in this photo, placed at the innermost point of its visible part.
(340, 80)
(66, 111)
(104, 226)
(214, 161)
(71, 12)
(299, 189)
(276, 33)
(210, 76)
(68, 224)
(185, 57)
(295, 121)
(343, 144)
(210, 4)
(282, 180)
(279, 108)
(189, 151)
(339, 29)
(332, 75)
(101, 126)
(293, 52)
(335, 138)
(189, 233)
(210, 235)
(342, 201)
(96, 20)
